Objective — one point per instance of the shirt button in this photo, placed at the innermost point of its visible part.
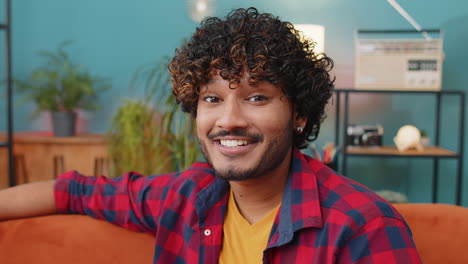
(207, 232)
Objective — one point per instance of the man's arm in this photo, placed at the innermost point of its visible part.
(32, 199)
(131, 200)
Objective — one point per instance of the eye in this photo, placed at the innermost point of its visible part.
(257, 98)
(211, 99)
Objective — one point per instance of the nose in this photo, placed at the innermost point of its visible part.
(231, 116)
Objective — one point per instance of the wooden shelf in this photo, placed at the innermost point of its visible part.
(431, 151)
(434, 152)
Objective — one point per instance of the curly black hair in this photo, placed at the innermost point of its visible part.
(270, 49)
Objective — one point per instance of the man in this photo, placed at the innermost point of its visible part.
(258, 95)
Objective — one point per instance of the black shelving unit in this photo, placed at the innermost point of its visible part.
(435, 153)
(6, 28)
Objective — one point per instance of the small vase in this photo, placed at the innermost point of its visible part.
(63, 123)
(425, 141)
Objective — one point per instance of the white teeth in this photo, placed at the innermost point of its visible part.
(233, 143)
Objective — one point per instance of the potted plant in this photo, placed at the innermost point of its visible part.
(152, 135)
(60, 87)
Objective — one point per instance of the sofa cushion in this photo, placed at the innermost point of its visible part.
(71, 239)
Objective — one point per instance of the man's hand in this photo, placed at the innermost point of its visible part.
(32, 199)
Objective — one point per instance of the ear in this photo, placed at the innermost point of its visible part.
(299, 121)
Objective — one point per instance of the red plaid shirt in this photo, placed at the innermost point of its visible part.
(324, 218)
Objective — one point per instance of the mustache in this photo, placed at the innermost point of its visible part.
(236, 132)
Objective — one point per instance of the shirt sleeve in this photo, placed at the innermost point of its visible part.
(382, 240)
(131, 201)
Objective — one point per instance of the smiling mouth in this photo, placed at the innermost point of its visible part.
(234, 143)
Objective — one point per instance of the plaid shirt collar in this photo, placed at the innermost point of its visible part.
(300, 206)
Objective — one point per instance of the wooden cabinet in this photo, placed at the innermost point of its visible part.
(41, 156)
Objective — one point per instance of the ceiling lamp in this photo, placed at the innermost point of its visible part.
(316, 33)
(199, 9)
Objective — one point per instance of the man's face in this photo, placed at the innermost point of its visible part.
(244, 132)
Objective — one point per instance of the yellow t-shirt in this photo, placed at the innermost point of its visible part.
(242, 242)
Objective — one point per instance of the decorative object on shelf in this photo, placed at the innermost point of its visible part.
(432, 153)
(392, 196)
(64, 123)
(408, 137)
(329, 154)
(150, 139)
(60, 86)
(364, 135)
(199, 9)
(425, 140)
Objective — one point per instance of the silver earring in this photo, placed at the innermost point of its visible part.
(299, 129)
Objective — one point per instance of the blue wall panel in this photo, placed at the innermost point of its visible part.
(114, 38)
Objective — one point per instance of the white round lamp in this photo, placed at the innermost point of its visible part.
(314, 32)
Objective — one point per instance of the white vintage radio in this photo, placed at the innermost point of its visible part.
(399, 64)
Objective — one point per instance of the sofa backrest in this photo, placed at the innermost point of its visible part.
(440, 232)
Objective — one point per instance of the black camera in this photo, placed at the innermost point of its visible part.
(364, 135)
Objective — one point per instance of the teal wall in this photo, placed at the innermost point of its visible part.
(114, 38)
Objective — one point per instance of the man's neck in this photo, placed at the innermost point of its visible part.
(255, 198)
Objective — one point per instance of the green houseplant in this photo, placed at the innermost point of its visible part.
(152, 135)
(135, 139)
(60, 87)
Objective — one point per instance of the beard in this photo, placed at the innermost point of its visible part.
(273, 155)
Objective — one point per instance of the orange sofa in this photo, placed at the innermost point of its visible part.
(71, 239)
(440, 232)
